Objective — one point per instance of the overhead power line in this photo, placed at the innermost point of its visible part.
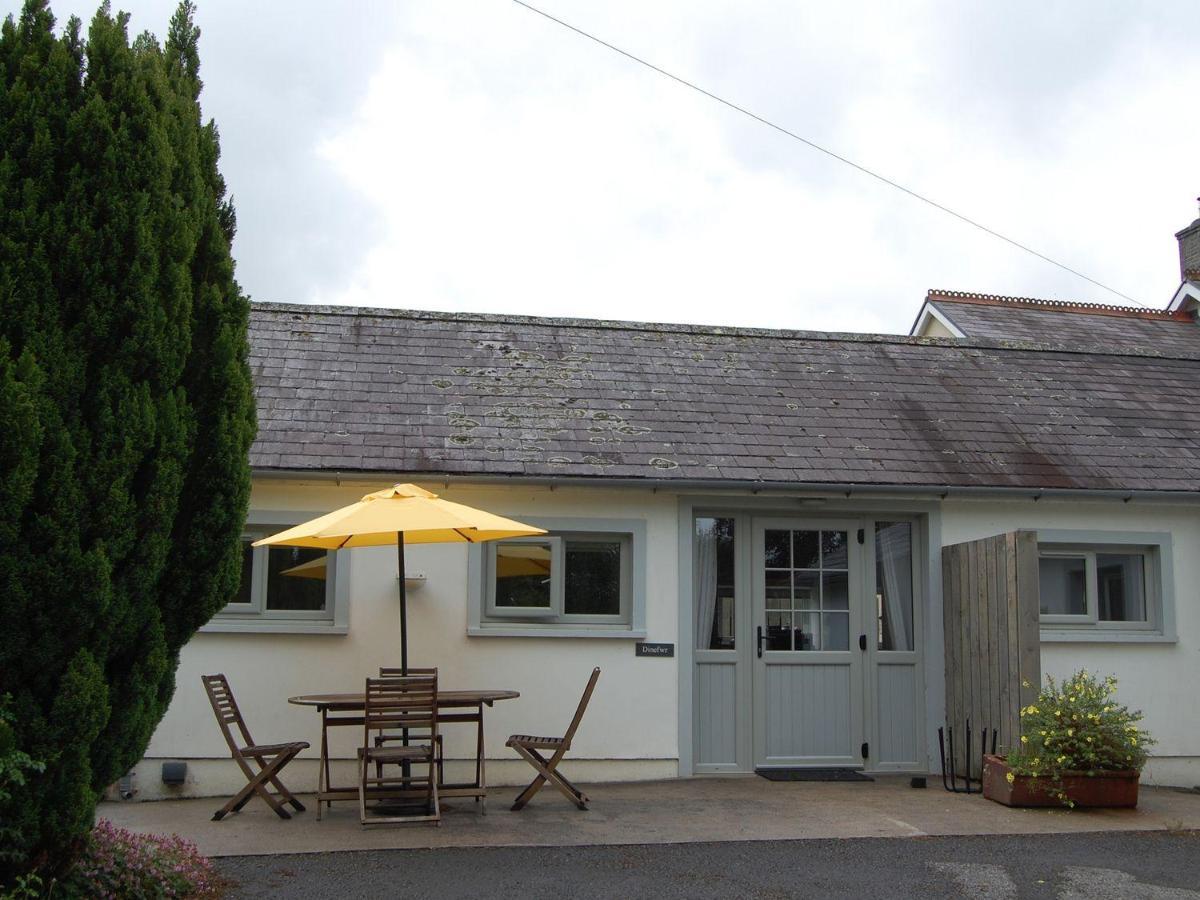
(830, 153)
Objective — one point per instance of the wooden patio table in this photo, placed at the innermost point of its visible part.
(462, 707)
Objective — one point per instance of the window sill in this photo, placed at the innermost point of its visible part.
(271, 626)
(1096, 636)
(553, 631)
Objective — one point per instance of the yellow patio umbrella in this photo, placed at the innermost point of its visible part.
(399, 515)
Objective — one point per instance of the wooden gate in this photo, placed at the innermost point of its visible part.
(993, 650)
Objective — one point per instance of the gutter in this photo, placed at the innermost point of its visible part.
(846, 491)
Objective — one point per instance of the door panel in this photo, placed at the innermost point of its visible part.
(897, 742)
(716, 724)
(808, 712)
(808, 610)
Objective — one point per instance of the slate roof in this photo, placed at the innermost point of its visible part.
(372, 390)
(1082, 324)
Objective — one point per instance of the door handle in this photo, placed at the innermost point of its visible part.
(760, 641)
(862, 642)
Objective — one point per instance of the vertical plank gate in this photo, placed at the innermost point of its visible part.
(990, 608)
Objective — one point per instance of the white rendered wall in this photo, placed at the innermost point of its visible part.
(632, 716)
(1159, 679)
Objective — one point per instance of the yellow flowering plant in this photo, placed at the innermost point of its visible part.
(1078, 726)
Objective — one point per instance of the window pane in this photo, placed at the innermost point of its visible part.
(593, 580)
(808, 635)
(836, 634)
(808, 590)
(1121, 584)
(1063, 585)
(778, 549)
(779, 631)
(715, 584)
(243, 589)
(833, 549)
(806, 550)
(292, 588)
(893, 585)
(835, 590)
(523, 575)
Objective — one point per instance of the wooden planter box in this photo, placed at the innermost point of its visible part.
(1107, 789)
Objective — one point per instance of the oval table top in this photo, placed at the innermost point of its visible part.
(356, 701)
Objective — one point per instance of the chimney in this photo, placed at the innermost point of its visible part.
(1189, 251)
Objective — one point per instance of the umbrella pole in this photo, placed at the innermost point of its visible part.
(403, 604)
(404, 766)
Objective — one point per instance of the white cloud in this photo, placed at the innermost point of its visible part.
(519, 168)
(473, 156)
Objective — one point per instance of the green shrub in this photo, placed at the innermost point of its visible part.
(15, 764)
(126, 411)
(1079, 727)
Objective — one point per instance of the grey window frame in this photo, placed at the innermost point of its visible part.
(551, 613)
(484, 621)
(1156, 549)
(254, 617)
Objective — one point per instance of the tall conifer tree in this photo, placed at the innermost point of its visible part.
(125, 401)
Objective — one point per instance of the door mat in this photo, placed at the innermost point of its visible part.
(812, 775)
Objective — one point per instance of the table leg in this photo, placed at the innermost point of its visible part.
(323, 763)
(479, 765)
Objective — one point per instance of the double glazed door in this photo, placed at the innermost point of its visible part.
(810, 636)
(808, 642)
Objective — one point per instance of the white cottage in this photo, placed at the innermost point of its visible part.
(796, 524)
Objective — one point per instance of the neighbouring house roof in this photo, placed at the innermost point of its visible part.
(372, 390)
(1083, 324)
(1187, 297)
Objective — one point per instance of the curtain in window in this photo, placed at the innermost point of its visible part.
(706, 581)
(893, 548)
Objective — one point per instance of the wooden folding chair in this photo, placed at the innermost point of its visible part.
(269, 758)
(528, 746)
(381, 739)
(406, 706)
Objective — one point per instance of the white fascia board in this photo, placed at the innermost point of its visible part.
(931, 312)
(1187, 297)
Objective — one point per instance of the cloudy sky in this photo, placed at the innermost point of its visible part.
(474, 156)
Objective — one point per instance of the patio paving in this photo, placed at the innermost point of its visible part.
(663, 812)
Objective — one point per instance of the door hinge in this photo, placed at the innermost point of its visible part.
(862, 535)
(865, 750)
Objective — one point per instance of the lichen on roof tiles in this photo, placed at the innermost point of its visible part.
(432, 393)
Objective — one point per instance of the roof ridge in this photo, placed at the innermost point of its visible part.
(714, 330)
(1078, 306)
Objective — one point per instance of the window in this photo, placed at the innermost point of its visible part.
(807, 590)
(566, 577)
(894, 586)
(281, 587)
(715, 582)
(1102, 587)
(585, 578)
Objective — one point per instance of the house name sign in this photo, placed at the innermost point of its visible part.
(645, 648)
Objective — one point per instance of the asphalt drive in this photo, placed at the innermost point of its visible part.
(1098, 866)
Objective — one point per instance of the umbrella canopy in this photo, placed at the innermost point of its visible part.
(421, 516)
(314, 568)
(399, 515)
